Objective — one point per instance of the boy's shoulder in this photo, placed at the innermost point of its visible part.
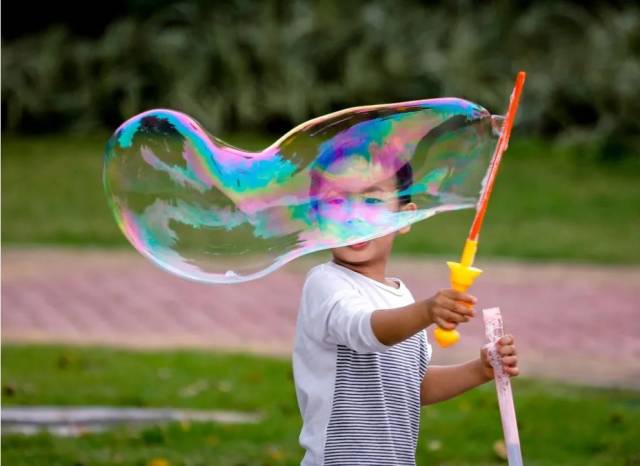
(328, 278)
(331, 276)
(326, 272)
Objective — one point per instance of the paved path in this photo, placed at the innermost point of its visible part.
(576, 323)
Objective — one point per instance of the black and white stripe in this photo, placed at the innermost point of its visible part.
(375, 413)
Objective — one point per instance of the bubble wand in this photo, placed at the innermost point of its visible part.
(463, 274)
(493, 331)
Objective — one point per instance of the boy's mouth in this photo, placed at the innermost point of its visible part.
(359, 246)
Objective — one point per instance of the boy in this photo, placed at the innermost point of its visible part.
(361, 353)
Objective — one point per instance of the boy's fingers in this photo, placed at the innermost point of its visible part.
(460, 296)
(451, 316)
(464, 310)
(445, 324)
(456, 307)
(507, 350)
(510, 360)
(512, 371)
(506, 340)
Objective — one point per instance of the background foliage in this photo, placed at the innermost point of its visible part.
(269, 65)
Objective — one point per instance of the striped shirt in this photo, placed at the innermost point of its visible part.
(359, 399)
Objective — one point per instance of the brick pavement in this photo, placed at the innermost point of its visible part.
(573, 322)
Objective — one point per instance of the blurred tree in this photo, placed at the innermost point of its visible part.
(269, 65)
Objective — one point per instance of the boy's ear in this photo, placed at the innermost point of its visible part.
(411, 206)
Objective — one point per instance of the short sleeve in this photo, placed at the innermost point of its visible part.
(334, 312)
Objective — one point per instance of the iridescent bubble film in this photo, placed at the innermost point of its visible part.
(214, 213)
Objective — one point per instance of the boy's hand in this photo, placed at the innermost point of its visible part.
(507, 350)
(449, 307)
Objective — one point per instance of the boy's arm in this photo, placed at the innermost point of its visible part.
(446, 308)
(444, 382)
(391, 326)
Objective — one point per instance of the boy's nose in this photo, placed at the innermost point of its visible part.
(355, 210)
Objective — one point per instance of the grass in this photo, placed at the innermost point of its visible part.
(559, 424)
(548, 204)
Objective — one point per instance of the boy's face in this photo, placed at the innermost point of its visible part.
(357, 196)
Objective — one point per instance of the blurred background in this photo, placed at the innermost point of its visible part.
(88, 323)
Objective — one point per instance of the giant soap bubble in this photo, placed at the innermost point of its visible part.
(213, 213)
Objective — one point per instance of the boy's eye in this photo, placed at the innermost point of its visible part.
(373, 200)
(335, 201)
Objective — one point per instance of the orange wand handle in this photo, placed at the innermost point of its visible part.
(463, 274)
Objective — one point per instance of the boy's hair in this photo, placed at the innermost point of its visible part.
(404, 180)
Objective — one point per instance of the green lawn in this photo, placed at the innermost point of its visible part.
(560, 425)
(547, 204)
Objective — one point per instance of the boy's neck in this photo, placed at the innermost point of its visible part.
(375, 270)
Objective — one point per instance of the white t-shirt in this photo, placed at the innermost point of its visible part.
(359, 399)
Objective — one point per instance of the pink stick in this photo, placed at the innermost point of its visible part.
(493, 331)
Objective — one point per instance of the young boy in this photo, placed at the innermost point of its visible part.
(361, 356)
